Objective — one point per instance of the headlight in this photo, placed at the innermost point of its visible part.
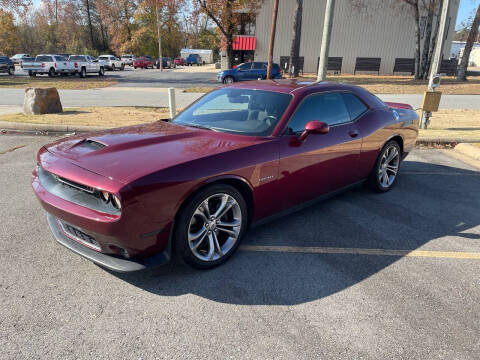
(108, 197)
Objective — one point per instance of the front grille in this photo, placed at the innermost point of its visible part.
(78, 235)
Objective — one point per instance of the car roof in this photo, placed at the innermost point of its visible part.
(303, 88)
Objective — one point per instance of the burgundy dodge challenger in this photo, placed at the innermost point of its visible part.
(133, 197)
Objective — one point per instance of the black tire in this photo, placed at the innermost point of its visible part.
(83, 72)
(228, 80)
(102, 71)
(134, 67)
(122, 67)
(11, 71)
(31, 73)
(113, 67)
(375, 179)
(181, 246)
(51, 72)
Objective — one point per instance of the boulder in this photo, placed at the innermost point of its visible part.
(41, 101)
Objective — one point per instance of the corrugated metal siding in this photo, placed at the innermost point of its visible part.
(385, 30)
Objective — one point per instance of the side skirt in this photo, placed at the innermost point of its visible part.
(306, 204)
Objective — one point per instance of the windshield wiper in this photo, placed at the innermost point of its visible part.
(200, 127)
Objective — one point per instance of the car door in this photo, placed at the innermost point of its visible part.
(322, 163)
(258, 71)
(3, 64)
(243, 72)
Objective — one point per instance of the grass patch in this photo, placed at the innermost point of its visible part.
(67, 82)
(403, 84)
(94, 116)
(203, 89)
(461, 124)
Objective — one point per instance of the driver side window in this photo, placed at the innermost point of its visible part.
(246, 66)
(327, 107)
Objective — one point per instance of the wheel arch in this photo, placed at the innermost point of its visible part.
(398, 138)
(237, 182)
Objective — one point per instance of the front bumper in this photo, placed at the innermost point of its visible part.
(109, 261)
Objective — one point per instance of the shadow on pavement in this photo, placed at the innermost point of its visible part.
(429, 202)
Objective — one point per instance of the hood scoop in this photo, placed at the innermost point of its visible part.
(92, 145)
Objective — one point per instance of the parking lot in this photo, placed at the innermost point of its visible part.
(330, 281)
(180, 77)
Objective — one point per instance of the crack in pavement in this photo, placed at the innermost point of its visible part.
(12, 149)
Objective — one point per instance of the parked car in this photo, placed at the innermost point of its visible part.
(111, 62)
(248, 71)
(134, 197)
(26, 59)
(7, 65)
(180, 61)
(143, 62)
(86, 64)
(50, 64)
(166, 63)
(193, 59)
(128, 59)
(19, 57)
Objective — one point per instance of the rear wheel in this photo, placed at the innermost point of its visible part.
(385, 171)
(113, 67)
(122, 67)
(51, 72)
(211, 226)
(31, 73)
(102, 71)
(11, 71)
(83, 72)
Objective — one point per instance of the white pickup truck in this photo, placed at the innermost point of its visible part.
(50, 64)
(111, 62)
(86, 64)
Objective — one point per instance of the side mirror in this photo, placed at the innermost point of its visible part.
(314, 127)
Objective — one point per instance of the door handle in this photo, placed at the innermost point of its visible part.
(353, 133)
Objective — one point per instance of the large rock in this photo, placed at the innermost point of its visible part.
(41, 101)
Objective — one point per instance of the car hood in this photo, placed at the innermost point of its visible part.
(128, 153)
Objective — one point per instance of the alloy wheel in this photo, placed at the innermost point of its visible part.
(388, 168)
(214, 227)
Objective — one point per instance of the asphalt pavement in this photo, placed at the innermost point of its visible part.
(283, 303)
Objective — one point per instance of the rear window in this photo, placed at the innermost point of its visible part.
(44, 58)
(77, 58)
(355, 106)
(60, 58)
(103, 58)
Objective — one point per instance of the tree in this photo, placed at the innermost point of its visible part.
(297, 35)
(472, 35)
(8, 33)
(225, 14)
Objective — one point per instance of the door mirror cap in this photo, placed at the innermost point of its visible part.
(314, 127)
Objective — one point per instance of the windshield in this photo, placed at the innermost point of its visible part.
(103, 58)
(77, 58)
(237, 111)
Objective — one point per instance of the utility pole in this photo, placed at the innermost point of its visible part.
(326, 35)
(160, 58)
(436, 63)
(437, 58)
(272, 39)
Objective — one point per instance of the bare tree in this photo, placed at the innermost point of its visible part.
(472, 35)
(297, 35)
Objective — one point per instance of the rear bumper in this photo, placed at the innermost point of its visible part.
(111, 262)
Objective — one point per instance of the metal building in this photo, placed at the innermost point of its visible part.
(382, 29)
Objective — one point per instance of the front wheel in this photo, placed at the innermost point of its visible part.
(51, 72)
(11, 71)
(113, 67)
(211, 226)
(31, 73)
(228, 80)
(385, 171)
(122, 67)
(102, 71)
(83, 73)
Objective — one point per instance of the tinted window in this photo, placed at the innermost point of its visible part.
(103, 58)
(77, 58)
(355, 106)
(60, 58)
(259, 66)
(44, 58)
(3, 60)
(246, 66)
(329, 108)
(237, 111)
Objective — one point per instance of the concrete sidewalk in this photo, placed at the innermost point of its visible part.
(126, 96)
